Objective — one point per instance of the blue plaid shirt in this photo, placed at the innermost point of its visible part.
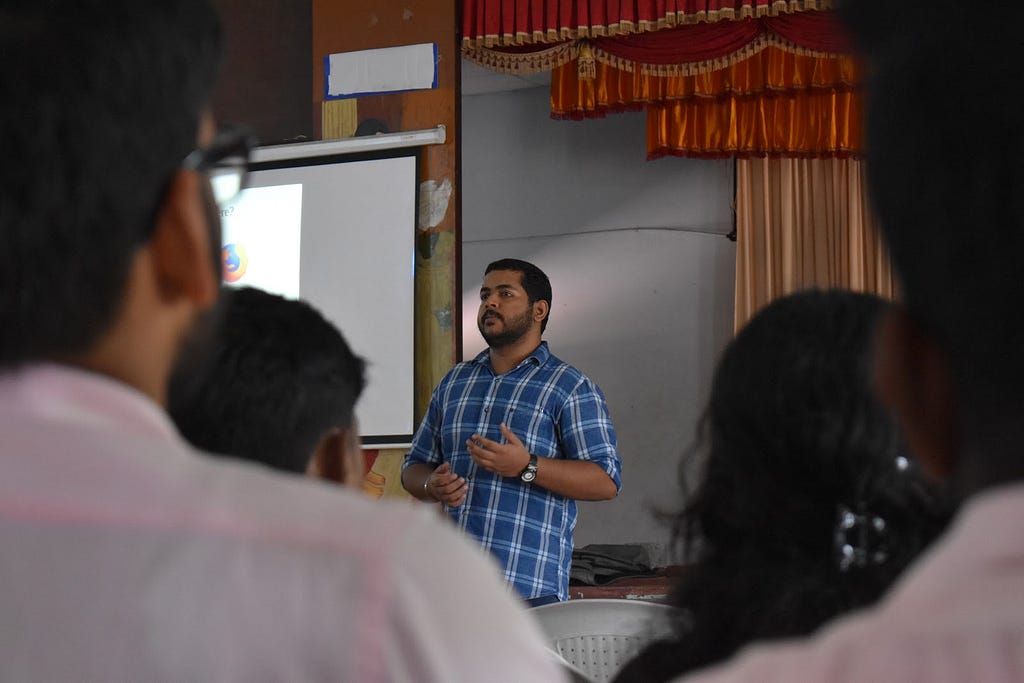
(557, 412)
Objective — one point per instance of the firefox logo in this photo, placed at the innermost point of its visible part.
(234, 261)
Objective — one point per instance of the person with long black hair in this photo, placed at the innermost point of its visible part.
(807, 505)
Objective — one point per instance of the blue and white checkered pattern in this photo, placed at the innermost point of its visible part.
(557, 412)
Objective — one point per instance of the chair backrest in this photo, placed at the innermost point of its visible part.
(597, 636)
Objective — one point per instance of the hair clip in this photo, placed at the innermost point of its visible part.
(859, 539)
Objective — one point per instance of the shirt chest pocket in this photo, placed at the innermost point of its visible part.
(536, 429)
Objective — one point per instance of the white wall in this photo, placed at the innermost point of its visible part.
(641, 273)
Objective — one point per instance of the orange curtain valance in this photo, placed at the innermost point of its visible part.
(773, 103)
(489, 23)
(807, 124)
(769, 73)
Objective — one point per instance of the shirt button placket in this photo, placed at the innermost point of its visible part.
(488, 404)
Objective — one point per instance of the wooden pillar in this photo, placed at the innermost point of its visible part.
(366, 24)
(265, 77)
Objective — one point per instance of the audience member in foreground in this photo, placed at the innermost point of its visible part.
(806, 505)
(944, 149)
(128, 556)
(280, 388)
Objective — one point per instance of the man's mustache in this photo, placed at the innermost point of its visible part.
(491, 314)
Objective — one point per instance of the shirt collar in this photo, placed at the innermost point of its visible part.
(68, 394)
(539, 356)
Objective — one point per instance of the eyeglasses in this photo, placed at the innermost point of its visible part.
(225, 161)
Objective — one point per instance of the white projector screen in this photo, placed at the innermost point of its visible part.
(338, 231)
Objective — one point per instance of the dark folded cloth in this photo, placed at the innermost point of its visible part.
(601, 563)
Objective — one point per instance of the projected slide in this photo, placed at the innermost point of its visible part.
(339, 232)
(262, 239)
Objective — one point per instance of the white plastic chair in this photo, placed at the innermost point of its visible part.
(595, 637)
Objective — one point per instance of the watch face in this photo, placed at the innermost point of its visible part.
(528, 475)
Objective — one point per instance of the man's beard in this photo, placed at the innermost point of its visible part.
(515, 329)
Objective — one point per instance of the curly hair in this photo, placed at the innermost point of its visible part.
(792, 433)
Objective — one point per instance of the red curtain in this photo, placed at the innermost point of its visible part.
(818, 32)
(487, 23)
(678, 51)
(684, 44)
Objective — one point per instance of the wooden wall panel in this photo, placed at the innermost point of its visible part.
(266, 79)
(367, 24)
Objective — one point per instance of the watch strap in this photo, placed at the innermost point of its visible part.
(530, 471)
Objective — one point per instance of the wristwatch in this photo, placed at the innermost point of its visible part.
(529, 472)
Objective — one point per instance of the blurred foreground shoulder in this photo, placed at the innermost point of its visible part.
(455, 615)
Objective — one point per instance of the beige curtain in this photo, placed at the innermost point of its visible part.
(804, 223)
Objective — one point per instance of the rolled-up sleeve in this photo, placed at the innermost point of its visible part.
(586, 430)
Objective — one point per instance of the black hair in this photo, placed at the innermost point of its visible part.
(281, 378)
(370, 127)
(532, 279)
(792, 435)
(101, 102)
(944, 144)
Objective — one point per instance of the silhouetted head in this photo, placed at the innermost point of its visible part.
(282, 378)
(944, 143)
(102, 101)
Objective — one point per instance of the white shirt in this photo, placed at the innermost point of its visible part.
(957, 615)
(127, 556)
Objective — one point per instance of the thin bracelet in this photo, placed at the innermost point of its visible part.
(425, 482)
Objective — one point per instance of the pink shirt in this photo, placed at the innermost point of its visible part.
(957, 615)
(125, 555)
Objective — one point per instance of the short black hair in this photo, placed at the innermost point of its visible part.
(792, 433)
(944, 144)
(101, 102)
(532, 279)
(281, 377)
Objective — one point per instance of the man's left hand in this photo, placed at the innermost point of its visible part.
(507, 459)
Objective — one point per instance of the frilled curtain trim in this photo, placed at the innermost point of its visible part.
(752, 48)
(773, 72)
(680, 52)
(495, 23)
(527, 62)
